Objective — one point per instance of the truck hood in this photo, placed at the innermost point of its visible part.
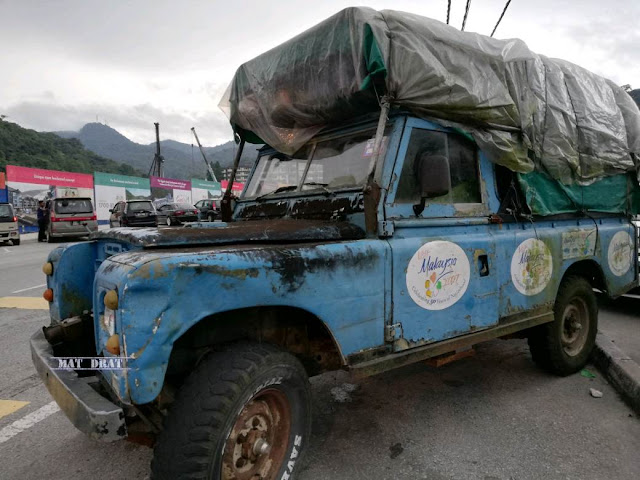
(253, 231)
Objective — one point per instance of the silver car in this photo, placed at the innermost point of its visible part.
(71, 217)
(8, 224)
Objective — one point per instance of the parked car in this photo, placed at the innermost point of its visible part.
(8, 224)
(134, 213)
(207, 210)
(177, 213)
(71, 217)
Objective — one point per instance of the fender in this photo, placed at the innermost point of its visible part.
(163, 294)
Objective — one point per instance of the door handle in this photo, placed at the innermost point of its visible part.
(483, 265)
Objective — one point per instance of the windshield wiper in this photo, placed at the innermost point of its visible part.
(323, 186)
(286, 188)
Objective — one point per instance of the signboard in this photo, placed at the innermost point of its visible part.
(204, 190)
(165, 190)
(30, 185)
(111, 189)
(236, 188)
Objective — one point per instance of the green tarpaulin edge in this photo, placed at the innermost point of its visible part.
(546, 196)
(373, 59)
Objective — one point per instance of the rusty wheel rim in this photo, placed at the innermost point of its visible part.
(258, 440)
(575, 327)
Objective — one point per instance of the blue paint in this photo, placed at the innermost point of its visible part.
(356, 287)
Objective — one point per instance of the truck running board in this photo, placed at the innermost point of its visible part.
(419, 354)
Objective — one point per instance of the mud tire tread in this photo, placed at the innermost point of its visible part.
(545, 342)
(185, 447)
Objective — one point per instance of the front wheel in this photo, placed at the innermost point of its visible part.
(564, 345)
(245, 413)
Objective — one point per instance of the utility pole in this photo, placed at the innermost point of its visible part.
(213, 175)
(157, 165)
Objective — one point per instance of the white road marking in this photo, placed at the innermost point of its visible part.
(6, 249)
(28, 421)
(30, 288)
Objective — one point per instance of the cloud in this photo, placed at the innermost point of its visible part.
(133, 121)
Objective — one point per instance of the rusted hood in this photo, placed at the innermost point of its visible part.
(255, 231)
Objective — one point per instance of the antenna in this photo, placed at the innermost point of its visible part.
(157, 165)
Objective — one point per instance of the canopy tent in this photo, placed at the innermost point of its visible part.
(529, 113)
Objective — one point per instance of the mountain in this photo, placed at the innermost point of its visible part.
(28, 148)
(181, 159)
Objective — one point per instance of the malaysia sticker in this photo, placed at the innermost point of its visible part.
(531, 266)
(438, 275)
(619, 253)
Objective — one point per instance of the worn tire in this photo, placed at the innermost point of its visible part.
(548, 342)
(215, 399)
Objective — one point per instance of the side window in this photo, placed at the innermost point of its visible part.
(463, 165)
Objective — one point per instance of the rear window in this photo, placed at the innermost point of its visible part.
(6, 211)
(73, 205)
(141, 207)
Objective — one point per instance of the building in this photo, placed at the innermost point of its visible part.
(242, 175)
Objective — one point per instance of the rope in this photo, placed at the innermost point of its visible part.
(448, 10)
(466, 12)
(502, 15)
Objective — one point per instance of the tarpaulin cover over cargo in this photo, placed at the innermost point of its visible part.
(570, 134)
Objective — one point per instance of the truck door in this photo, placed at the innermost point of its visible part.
(445, 274)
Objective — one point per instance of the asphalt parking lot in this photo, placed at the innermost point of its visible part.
(491, 416)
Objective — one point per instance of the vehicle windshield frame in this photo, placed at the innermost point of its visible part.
(311, 144)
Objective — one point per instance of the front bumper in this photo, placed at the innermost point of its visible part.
(90, 412)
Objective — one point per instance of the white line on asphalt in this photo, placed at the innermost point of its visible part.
(28, 421)
(30, 288)
(6, 249)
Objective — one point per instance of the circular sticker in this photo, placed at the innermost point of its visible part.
(531, 266)
(619, 254)
(438, 275)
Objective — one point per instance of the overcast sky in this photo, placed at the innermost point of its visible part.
(64, 63)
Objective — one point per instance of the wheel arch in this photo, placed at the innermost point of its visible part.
(293, 329)
(590, 270)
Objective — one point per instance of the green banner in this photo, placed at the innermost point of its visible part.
(205, 185)
(124, 181)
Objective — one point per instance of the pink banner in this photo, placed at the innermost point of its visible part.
(169, 183)
(235, 188)
(48, 177)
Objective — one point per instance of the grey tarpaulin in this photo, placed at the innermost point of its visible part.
(526, 111)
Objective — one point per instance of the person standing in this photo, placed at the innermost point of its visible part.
(43, 219)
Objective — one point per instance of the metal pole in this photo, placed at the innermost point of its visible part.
(225, 206)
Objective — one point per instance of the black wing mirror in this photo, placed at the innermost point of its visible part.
(434, 178)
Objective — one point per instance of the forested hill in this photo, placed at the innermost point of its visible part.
(28, 148)
(182, 160)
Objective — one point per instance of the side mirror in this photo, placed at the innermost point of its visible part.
(434, 178)
(111, 210)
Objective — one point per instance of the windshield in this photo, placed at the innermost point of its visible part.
(73, 205)
(141, 207)
(5, 211)
(342, 162)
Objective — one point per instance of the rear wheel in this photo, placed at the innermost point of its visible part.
(210, 217)
(564, 345)
(244, 414)
(169, 222)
